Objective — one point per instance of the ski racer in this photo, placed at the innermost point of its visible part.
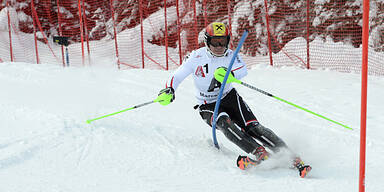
(235, 119)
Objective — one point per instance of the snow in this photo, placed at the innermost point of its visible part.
(4, 18)
(46, 145)
(321, 2)
(154, 26)
(242, 9)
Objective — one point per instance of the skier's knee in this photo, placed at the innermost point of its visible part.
(223, 120)
(265, 134)
(254, 129)
(207, 118)
(234, 134)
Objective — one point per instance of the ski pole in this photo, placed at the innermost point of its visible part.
(231, 78)
(163, 99)
(124, 110)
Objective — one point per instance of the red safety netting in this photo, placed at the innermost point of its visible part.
(158, 34)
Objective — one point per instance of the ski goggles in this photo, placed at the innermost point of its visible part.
(219, 41)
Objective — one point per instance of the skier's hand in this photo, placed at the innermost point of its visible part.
(220, 74)
(166, 96)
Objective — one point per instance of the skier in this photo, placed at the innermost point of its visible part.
(235, 119)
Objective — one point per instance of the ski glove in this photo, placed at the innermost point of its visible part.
(220, 74)
(166, 96)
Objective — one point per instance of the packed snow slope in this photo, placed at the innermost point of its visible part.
(46, 145)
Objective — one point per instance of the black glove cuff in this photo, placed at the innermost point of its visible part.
(168, 90)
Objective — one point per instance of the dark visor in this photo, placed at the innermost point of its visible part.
(219, 41)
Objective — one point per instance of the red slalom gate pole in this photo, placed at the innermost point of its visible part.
(364, 84)
(10, 33)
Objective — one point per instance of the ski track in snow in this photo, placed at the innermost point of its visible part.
(45, 144)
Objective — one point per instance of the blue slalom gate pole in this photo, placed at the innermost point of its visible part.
(243, 37)
(67, 56)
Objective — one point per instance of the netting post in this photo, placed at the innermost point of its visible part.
(205, 13)
(34, 17)
(115, 34)
(308, 33)
(47, 9)
(166, 34)
(142, 32)
(364, 84)
(10, 33)
(230, 20)
(195, 25)
(86, 32)
(81, 32)
(60, 30)
(178, 30)
(269, 33)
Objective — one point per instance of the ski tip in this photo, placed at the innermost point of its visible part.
(243, 162)
(304, 172)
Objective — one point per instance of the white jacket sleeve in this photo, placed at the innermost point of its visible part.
(239, 68)
(180, 74)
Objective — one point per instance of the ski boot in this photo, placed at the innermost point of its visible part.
(261, 154)
(244, 161)
(303, 169)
